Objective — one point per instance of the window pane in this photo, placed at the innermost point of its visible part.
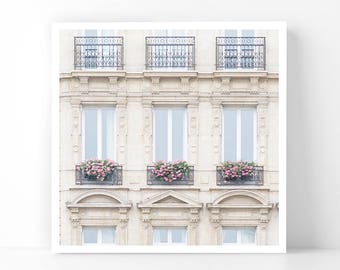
(229, 235)
(248, 235)
(247, 33)
(178, 235)
(231, 33)
(90, 32)
(230, 145)
(247, 135)
(90, 133)
(108, 235)
(90, 235)
(160, 235)
(161, 134)
(108, 139)
(178, 134)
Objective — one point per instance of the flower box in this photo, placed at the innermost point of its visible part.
(170, 173)
(98, 172)
(239, 173)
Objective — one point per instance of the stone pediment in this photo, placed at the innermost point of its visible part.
(98, 199)
(170, 199)
(241, 199)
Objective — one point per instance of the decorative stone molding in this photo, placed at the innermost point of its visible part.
(185, 85)
(193, 132)
(262, 131)
(216, 132)
(84, 84)
(155, 212)
(110, 210)
(225, 85)
(122, 131)
(240, 208)
(76, 130)
(155, 83)
(147, 131)
(113, 85)
(254, 85)
(74, 218)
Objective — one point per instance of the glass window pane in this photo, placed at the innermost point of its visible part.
(178, 134)
(178, 235)
(161, 134)
(90, 32)
(248, 235)
(108, 132)
(229, 235)
(231, 33)
(230, 144)
(108, 235)
(160, 235)
(90, 115)
(90, 235)
(247, 135)
(247, 33)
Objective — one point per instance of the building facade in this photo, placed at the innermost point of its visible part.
(141, 96)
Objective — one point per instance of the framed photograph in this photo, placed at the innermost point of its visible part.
(169, 137)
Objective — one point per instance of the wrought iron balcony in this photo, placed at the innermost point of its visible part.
(240, 53)
(170, 52)
(98, 52)
(187, 178)
(114, 178)
(256, 179)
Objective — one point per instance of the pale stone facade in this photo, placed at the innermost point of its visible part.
(135, 207)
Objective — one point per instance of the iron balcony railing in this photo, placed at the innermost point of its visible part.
(187, 178)
(256, 179)
(240, 53)
(170, 52)
(99, 52)
(114, 178)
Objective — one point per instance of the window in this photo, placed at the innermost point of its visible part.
(169, 134)
(238, 235)
(99, 54)
(239, 134)
(165, 235)
(241, 53)
(170, 49)
(98, 133)
(98, 235)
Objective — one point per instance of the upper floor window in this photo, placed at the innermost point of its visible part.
(239, 134)
(238, 235)
(169, 134)
(170, 49)
(98, 127)
(98, 235)
(169, 235)
(240, 49)
(98, 49)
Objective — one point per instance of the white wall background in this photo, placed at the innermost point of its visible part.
(313, 105)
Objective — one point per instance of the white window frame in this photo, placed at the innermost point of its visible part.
(238, 237)
(239, 34)
(99, 235)
(99, 130)
(99, 33)
(169, 143)
(170, 236)
(170, 33)
(239, 133)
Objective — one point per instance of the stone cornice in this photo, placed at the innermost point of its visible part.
(170, 74)
(99, 205)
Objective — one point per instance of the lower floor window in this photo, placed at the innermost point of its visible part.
(239, 235)
(99, 235)
(169, 235)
